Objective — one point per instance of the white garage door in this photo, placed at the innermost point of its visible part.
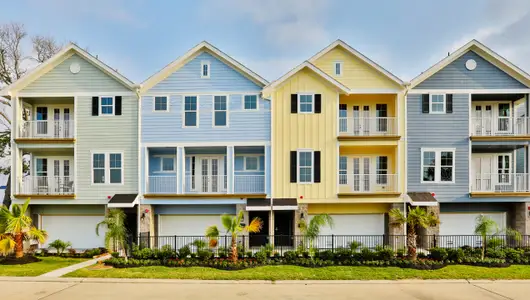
(78, 230)
(180, 230)
(458, 224)
(368, 229)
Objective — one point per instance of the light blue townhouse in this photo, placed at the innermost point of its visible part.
(467, 140)
(205, 143)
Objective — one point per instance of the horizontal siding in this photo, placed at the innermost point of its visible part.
(106, 133)
(195, 209)
(68, 209)
(475, 207)
(222, 78)
(457, 76)
(439, 131)
(89, 79)
(168, 126)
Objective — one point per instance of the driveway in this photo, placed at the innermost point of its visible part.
(35, 288)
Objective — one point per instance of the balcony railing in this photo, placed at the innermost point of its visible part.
(499, 126)
(47, 185)
(501, 183)
(207, 184)
(249, 184)
(162, 185)
(48, 129)
(375, 126)
(367, 183)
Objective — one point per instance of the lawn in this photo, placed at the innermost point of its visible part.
(35, 269)
(301, 273)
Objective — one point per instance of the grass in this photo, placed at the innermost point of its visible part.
(301, 273)
(35, 269)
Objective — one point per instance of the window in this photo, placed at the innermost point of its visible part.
(190, 111)
(343, 170)
(220, 111)
(503, 168)
(338, 68)
(106, 106)
(438, 165)
(437, 103)
(205, 69)
(107, 168)
(382, 170)
(305, 103)
(305, 166)
(161, 103)
(343, 118)
(168, 164)
(251, 102)
(251, 163)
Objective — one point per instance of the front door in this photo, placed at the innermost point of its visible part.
(61, 123)
(260, 238)
(283, 228)
(361, 120)
(361, 174)
(212, 178)
(483, 120)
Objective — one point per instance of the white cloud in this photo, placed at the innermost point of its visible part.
(271, 69)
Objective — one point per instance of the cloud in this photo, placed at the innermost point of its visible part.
(271, 69)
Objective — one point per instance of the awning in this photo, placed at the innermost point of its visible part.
(258, 204)
(422, 199)
(123, 201)
(285, 204)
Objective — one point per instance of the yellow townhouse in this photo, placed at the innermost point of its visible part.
(338, 130)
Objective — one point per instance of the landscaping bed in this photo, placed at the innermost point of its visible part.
(11, 260)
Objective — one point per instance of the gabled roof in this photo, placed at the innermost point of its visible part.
(352, 51)
(311, 67)
(58, 58)
(179, 62)
(485, 52)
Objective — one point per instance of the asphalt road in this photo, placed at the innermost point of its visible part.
(197, 290)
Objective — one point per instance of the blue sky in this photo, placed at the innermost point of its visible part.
(139, 37)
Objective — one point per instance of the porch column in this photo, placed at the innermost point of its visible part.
(268, 176)
(514, 164)
(181, 169)
(230, 169)
(145, 152)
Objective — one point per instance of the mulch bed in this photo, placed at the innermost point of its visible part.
(11, 260)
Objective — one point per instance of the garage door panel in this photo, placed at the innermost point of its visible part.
(458, 229)
(78, 230)
(180, 230)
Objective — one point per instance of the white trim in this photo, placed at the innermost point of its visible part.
(167, 104)
(73, 94)
(207, 144)
(469, 91)
(437, 165)
(374, 91)
(341, 68)
(200, 93)
(100, 104)
(258, 165)
(298, 105)
(257, 102)
(431, 103)
(208, 70)
(162, 156)
(75, 134)
(184, 112)
(258, 208)
(298, 151)
(470, 147)
(107, 168)
(285, 207)
(226, 111)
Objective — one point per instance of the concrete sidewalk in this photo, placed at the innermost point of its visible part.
(60, 272)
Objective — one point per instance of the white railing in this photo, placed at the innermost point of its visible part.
(47, 185)
(206, 184)
(499, 126)
(47, 129)
(367, 183)
(373, 126)
(500, 182)
(162, 185)
(249, 184)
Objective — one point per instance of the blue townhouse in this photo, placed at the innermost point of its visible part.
(467, 140)
(205, 144)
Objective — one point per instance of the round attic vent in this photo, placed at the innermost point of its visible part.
(75, 68)
(471, 64)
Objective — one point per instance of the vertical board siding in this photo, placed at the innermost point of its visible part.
(89, 79)
(439, 131)
(106, 133)
(203, 209)
(223, 78)
(457, 76)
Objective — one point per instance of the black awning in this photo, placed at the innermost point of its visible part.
(422, 199)
(284, 204)
(258, 204)
(123, 200)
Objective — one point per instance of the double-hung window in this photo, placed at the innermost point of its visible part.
(305, 166)
(250, 102)
(251, 163)
(338, 68)
(503, 168)
(115, 168)
(205, 69)
(98, 168)
(106, 107)
(382, 170)
(167, 163)
(107, 168)
(161, 103)
(190, 111)
(306, 103)
(438, 165)
(437, 103)
(220, 114)
(343, 170)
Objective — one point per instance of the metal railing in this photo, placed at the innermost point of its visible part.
(162, 184)
(47, 185)
(249, 184)
(500, 182)
(372, 126)
(367, 183)
(47, 129)
(499, 126)
(214, 184)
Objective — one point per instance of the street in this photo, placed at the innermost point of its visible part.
(79, 289)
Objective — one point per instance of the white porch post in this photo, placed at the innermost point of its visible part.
(230, 169)
(514, 165)
(181, 169)
(267, 173)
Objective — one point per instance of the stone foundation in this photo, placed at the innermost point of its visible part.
(302, 210)
(428, 233)
(147, 219)
(522, 218)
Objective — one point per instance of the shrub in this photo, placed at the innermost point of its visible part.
(290, 255)
(222, 252)
(515, 255)
(401, 252)
(166, 252)
(204, 255)
(367, 254)
(72, 252)
(472, 252)
(184, 252)
(89, 253)
(439, 254)
(422, 255)
(59, 246)
(267, 249)
(355, 245)
(495, 253)
(261, 256)
(145, 253)
(44, 252)
(115, 254)
(456, 255)
(343, 253)
(200, 244)
(384, 253)
(326, 255)
(248, 254)
(494, 242)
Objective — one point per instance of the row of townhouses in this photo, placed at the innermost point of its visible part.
(206, 136)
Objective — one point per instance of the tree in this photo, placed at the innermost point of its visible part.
(486, 227)
(117, 233)
(416, 217)
(233, 226)
(311, 230)
(14, 63)
(15, 228)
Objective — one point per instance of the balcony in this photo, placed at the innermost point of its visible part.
(368, 128)
(47, 129)
(359, 185)
(207, 185)
(497, 184)
(490, 127)
(46, 187)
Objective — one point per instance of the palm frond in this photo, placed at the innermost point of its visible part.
(315, 224)
(7, 244)
(514, 234)
(212, 232)
(255, 225)
(226, 220)
(397, 217)
(485, 226)
(37, 234)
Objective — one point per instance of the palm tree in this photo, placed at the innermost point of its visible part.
(116, 234)
(416, 217)
(233, 226)
(485, 226)
(311, 230)
(15, 228)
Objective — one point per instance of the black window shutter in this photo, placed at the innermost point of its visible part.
(316, 170)
(117, 106)
(95, 106)
(294, 103)
(318, 103)
(449, 103)
(293, 166)
(425, 103)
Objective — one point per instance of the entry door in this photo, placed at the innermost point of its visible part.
(361, 174)
(40, 183)
(382, 118)
(361, 120)
(61, 122)
(504, 113)
(63, 181)
(41, 126)
(212, 178)
(482, 174)
(483, 121)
